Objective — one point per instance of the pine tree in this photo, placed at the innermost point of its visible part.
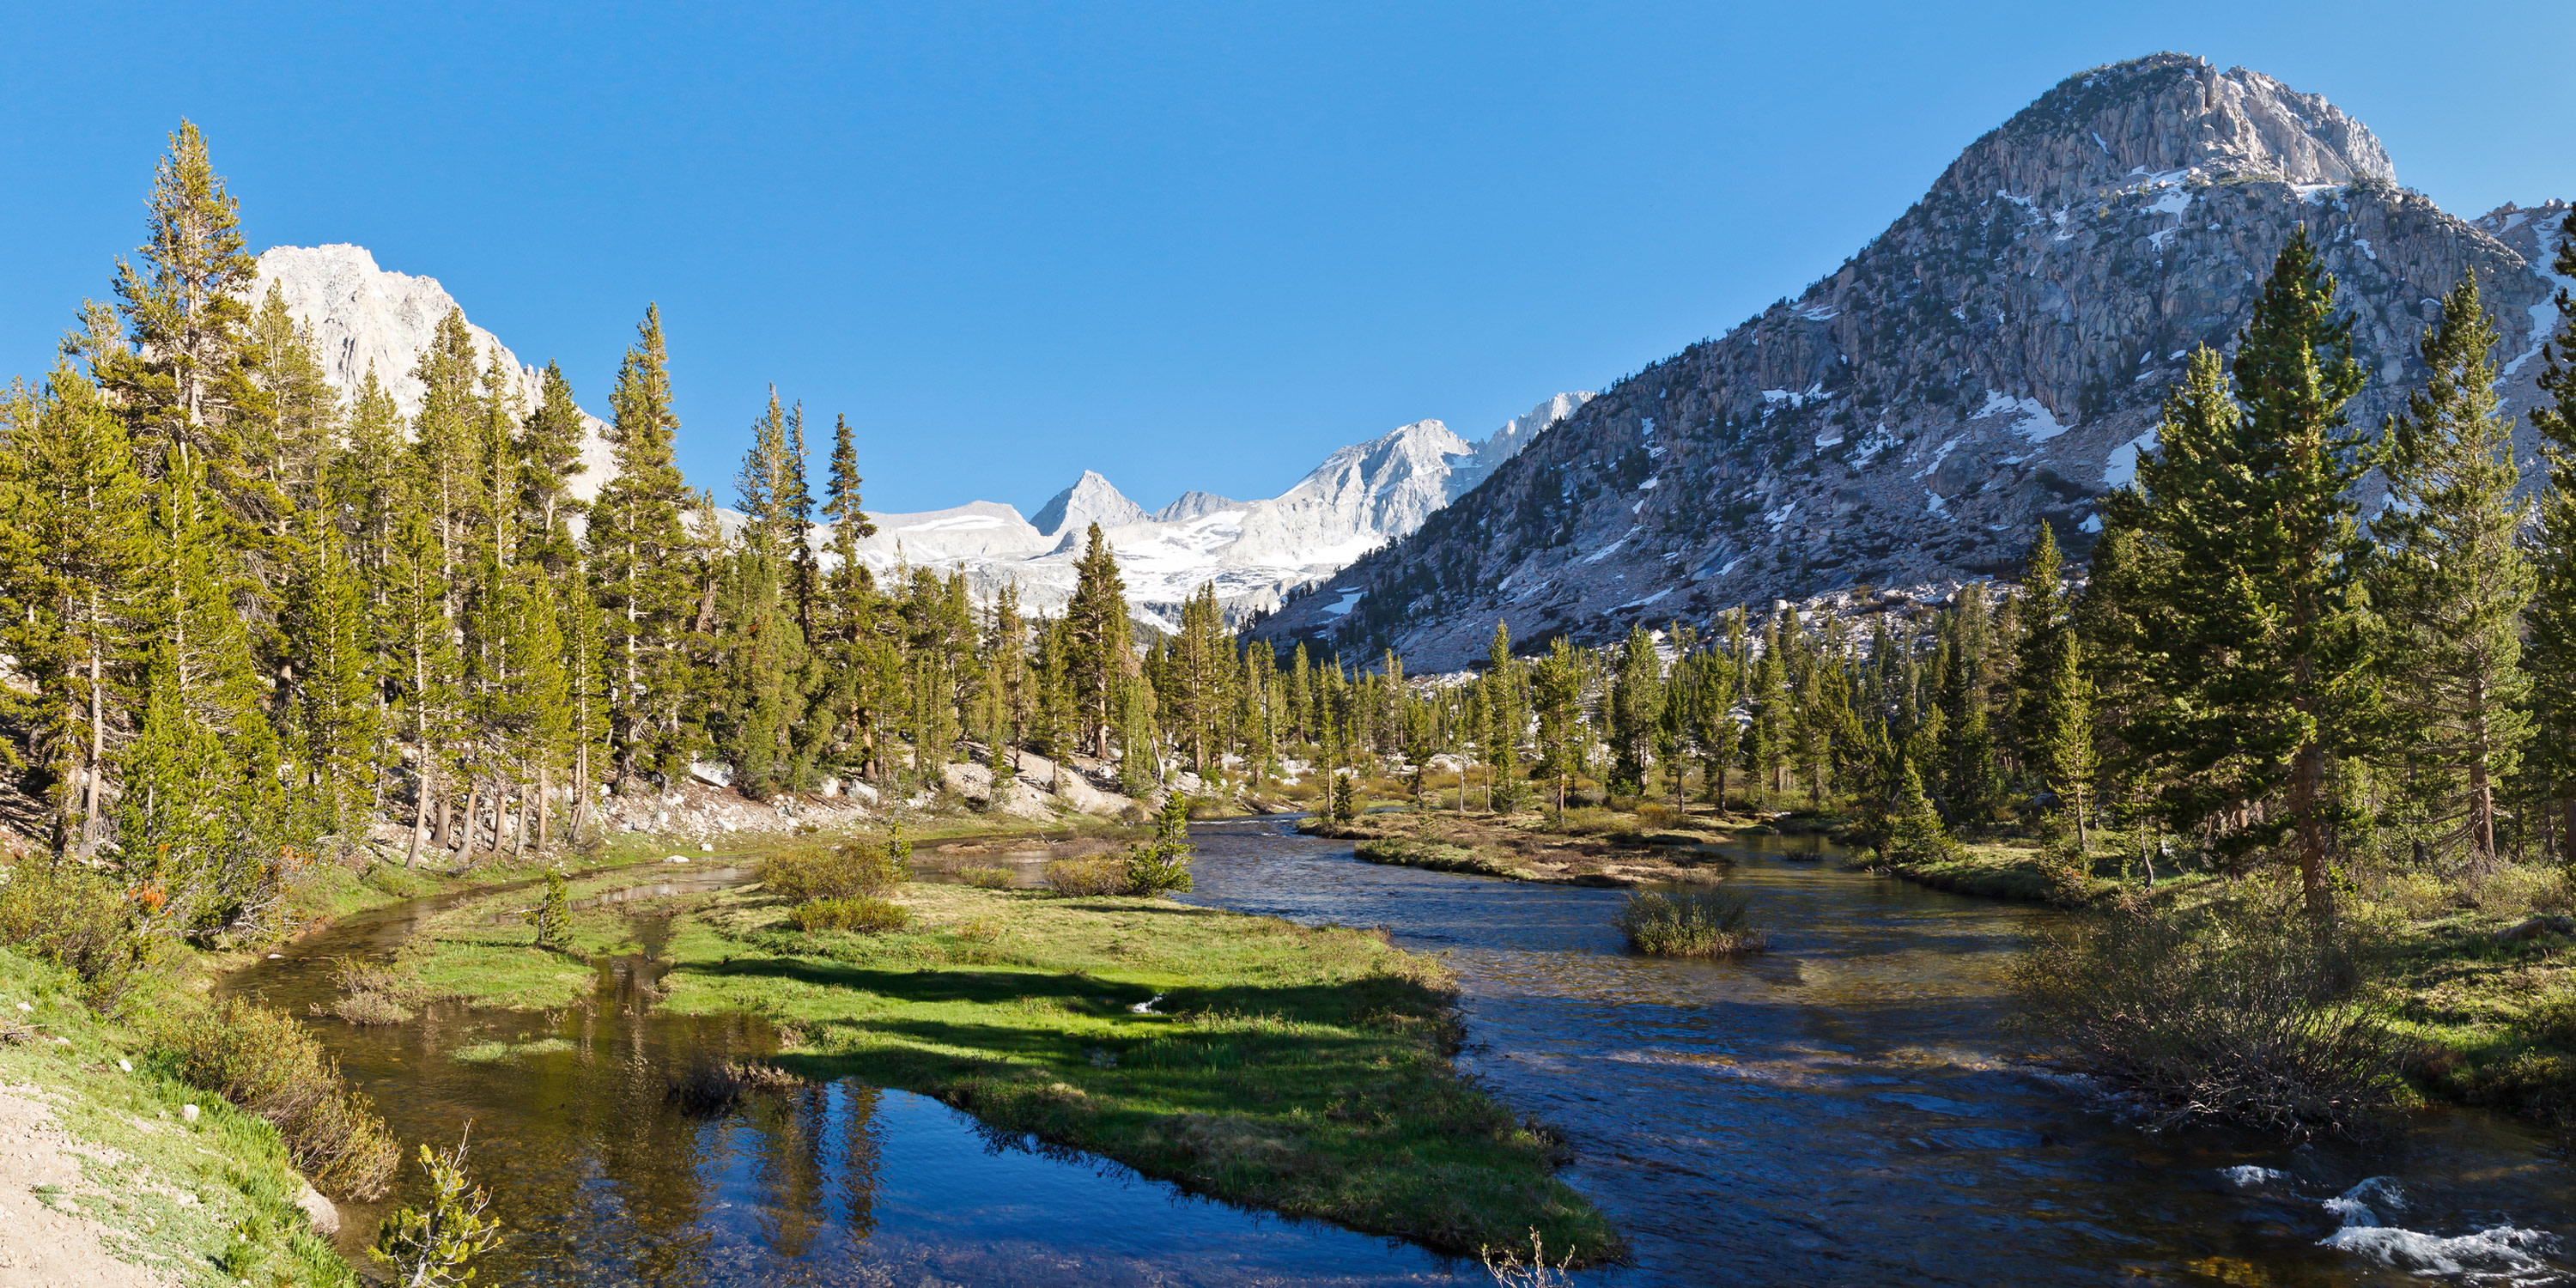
(637, 549)
(2260, 676)
(183, 378)
(334, 720)
(1098, 642)
(2551, 650)
(2449, 580)
(72, 548)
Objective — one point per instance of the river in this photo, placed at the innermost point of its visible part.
(1844, 1110)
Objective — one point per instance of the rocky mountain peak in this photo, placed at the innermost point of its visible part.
(362, 316)
(2168, 117)
(1992, 361)
(1092, 499)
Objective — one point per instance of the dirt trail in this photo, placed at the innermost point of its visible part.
(41, 1247)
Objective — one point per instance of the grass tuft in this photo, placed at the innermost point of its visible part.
(1690, 923)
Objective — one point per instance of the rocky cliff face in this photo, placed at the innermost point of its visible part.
(1993, 360)
(362, 316)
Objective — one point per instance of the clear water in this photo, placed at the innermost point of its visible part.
(1846, 1110)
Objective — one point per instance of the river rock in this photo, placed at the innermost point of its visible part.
(324, 1214)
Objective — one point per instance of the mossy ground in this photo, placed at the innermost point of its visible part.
(1302, 1070)
(211, 1202)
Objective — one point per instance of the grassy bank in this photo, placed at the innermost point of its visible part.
(1588, 847)
(212, 1201)
(1306, 1071)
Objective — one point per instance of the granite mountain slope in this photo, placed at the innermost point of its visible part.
(1993, 360)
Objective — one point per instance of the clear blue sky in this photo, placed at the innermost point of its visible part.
(1187, 245)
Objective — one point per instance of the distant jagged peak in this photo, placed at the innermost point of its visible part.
(1092, 499)
(2163, 118)
(1195, 504)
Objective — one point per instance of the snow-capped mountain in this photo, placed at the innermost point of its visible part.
(363, 316)
(1360, 498)
(1994, 360)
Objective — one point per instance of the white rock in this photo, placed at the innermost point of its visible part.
(188, 1112)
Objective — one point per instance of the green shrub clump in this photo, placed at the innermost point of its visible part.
(2244, 1015)
(856, 869)
(985, 878)
(858, 913)
(1087, 876)
(276, 1069)
(1690, 923)
(73, 916)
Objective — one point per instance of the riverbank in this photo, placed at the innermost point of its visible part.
(107, 1179)
(1582, 847)
(1302, 1070)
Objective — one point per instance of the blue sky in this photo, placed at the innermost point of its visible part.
(1187, 245)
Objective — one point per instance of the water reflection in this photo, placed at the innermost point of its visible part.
(1847, 1110)
(598, 1180)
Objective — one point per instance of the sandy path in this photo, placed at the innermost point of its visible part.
(41, 1247)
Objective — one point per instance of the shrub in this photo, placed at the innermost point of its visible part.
(2248, 1016)
(1690, 923)
(851, 870)
(985, 878)
(1656, 815)
(73, 916)
(274, 1068)
(1163, 864)
(376, 994)
(436, 1248)
(1087, 876)
(858, 913)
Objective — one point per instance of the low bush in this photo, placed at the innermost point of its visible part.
(276, 1069)
(375, 993)
(853, 870)
(859, 913)
(71, 915)
(1087, 876)
(1690, 923)
(1657, 816)
(985, 878)
(2233, 1013)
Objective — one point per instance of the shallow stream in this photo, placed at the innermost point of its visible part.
(1845, 1110)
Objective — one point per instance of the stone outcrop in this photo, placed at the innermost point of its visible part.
(1993, 361)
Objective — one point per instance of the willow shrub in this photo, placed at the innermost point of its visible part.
(860, 913)
(73, 916)
(2235, 1013)
(1088, 876)
(274, 1068)
(1690, 923)
(858, 869)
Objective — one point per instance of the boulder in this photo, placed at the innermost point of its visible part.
(1076, 790)
(1023, 800)
(324, 1215)
(970, 780)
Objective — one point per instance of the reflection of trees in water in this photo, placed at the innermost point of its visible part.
(861, 1155)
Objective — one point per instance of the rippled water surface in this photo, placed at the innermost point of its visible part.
(1842, 1111)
